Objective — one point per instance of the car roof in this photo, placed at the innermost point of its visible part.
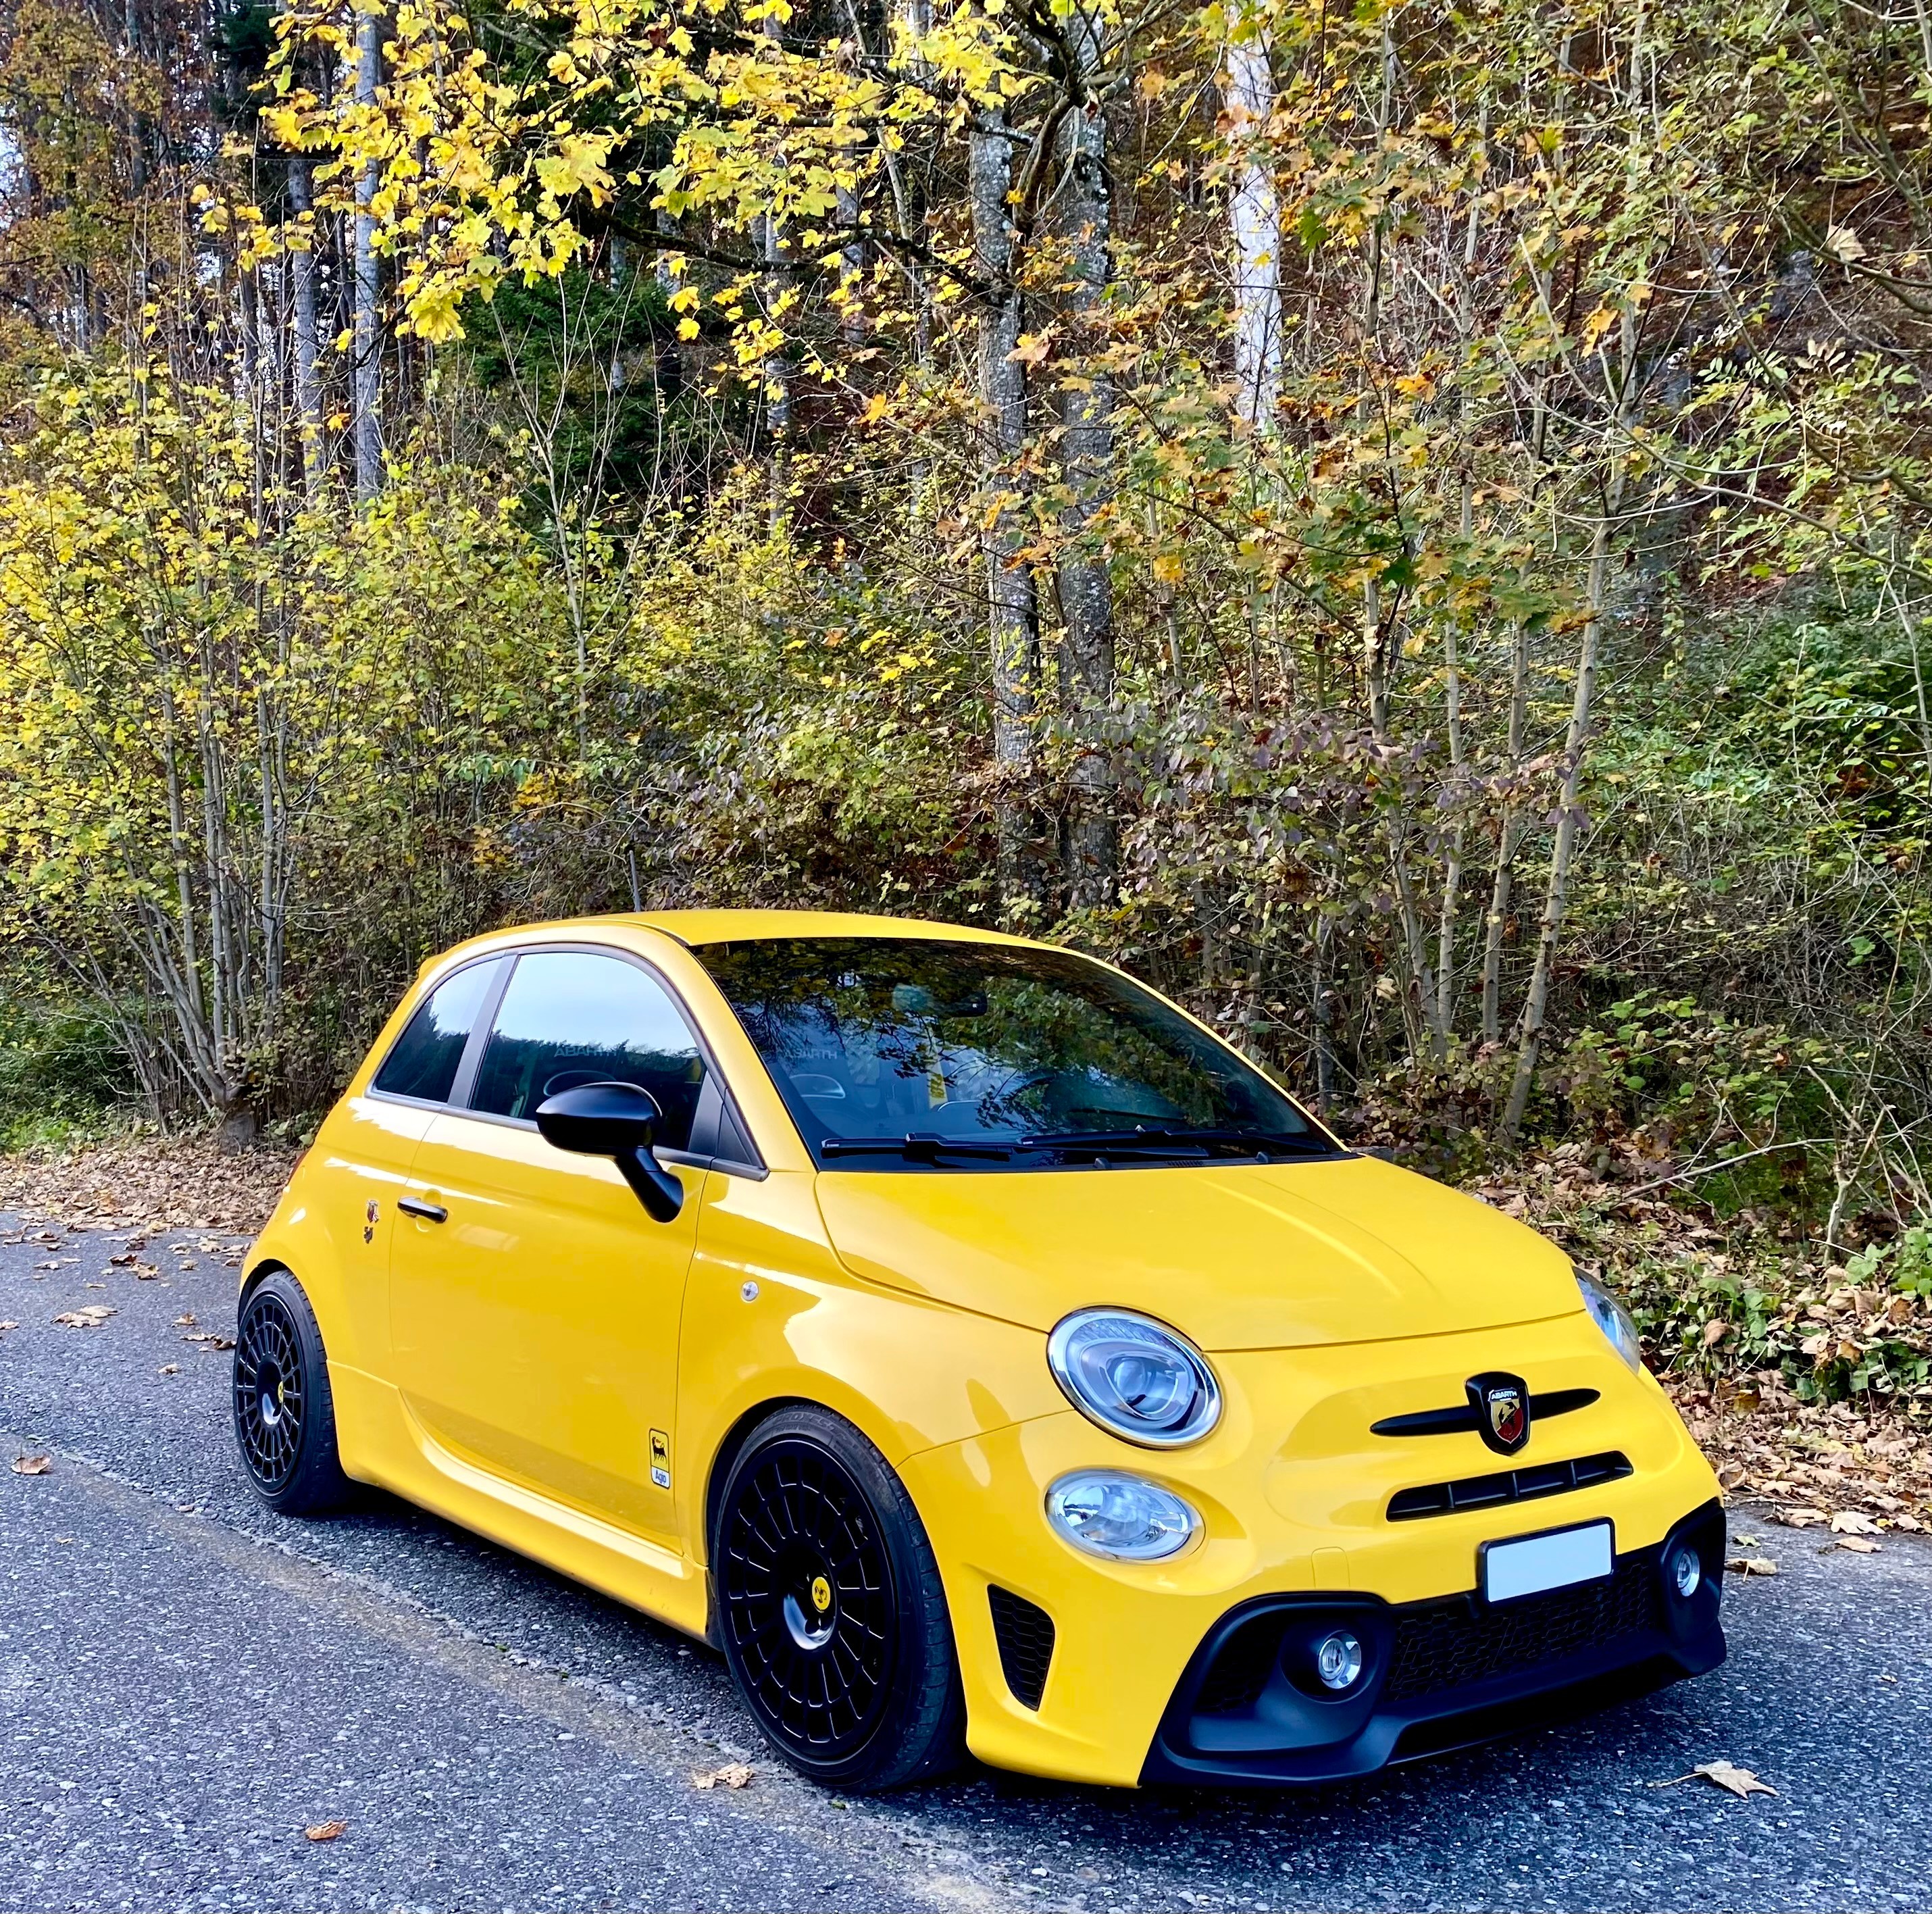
(694, 927)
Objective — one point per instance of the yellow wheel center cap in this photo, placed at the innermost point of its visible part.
(821, 1594)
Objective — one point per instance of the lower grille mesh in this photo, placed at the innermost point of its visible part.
(1452, 1644)
(1025, 1636)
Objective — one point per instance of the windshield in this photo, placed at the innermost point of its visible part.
(897, 1052)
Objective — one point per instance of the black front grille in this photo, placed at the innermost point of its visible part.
(1508, 1485)
(1025, 1636)
(1452, 1644)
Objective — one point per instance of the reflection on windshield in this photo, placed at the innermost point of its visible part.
(895, 1050)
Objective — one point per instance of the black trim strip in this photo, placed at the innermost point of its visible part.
(1508, 1485)
(1461, 1419)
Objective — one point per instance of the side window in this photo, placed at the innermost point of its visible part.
(570, 1017)
(424, 1063)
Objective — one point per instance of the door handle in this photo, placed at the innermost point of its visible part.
(414, 1206)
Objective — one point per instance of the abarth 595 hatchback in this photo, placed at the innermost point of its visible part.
(976, 1350)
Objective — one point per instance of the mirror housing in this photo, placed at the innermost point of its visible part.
(618, 1120)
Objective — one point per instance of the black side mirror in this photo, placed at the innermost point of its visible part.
(617, 1120)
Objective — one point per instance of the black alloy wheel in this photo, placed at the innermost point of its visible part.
(829, 1607)
(284, 1413)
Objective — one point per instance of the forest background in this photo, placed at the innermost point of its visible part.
(1408, 525)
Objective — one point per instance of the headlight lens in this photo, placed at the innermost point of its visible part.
(1135, 1377)
(1614, 1320)
(1119, 1517)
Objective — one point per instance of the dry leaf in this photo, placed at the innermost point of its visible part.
(5, 1326)
(185, 1321)
(326, 1831)
(209, 1339)
(732, 1775)
(1857, 1545)
(1752, 1565)
(168, 1369)
(1850, 1522)
(1714, 1333)
(1797, 1518)
(91, 1317)
(1739, 1781)
(32, 1464)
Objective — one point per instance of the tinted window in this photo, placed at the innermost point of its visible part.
(569, 1017)
(425, 1060)
(1025, 1058)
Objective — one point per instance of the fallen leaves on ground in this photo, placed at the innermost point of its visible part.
(5, 1326)
(1854, 1521)
(168, 1369)
(91, 1315)
(1733, 1780)
(150, 1183)
(326, 1831)
(1857, 1544)
(209, 1339)
(732, 1775)
(1751, 1565)
(32, 1464)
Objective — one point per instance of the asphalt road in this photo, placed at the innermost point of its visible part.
(187, 1684)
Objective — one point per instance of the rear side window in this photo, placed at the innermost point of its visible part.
(570, 1017)
(424, 1063)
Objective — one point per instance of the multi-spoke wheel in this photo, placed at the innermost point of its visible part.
(829, 1606)
(284, 1417)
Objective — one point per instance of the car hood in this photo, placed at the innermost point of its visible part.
(1239, 1256)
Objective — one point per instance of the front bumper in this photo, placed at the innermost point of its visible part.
(1097, 1682)
(1439, 1675)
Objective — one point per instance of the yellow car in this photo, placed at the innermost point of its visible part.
(976, 1350)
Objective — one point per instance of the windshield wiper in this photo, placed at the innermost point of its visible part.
(1147, 1140)
(916, 1146)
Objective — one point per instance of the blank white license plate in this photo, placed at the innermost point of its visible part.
(1539, 1562)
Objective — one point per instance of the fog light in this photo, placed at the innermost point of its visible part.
(1685, 1569)
(1338, 1659)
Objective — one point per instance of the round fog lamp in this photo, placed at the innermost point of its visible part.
(1338, 1659)
(1686, 1571)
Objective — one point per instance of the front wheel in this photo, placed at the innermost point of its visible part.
(284, 1413)
(830, 1610)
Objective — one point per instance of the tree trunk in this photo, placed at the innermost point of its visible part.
(1530, 1048)
(1506, 838)
(1254, 221)
(1012, 616)
(1087, 464)
(366, 338)
(308, 383)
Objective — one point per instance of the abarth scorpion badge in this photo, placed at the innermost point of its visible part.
(1501, 1404)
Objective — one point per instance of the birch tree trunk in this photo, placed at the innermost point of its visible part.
(307, 382)
(1013, 607)
(1087, 462)
(1254, 222)
(367, 337)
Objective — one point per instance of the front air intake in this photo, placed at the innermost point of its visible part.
(1025, 1636)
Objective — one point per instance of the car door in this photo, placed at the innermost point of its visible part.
(370, 1144)
(534, 1306)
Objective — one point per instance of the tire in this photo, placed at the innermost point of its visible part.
(830, 1607)
(284, 1412)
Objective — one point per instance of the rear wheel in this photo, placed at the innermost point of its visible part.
(284, 1413)
(829, 1605)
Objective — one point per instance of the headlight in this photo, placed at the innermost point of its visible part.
(1120, 1516)
(1135, 1377)
(1614, 1320)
